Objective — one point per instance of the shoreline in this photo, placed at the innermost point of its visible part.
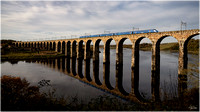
(29, 56)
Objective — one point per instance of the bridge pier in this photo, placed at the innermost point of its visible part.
(155, 71)
(135, 70)
(182, 68)
(96, 63)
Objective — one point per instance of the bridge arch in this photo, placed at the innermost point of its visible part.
(185, 47)
(38, 45)
(120, 75)
(73, 56)
(74, 43)
(80, 57)
(106, 65)
(41, 45)
(54, 46)
(87, 58)
(96, 64)
(16, 45)
(68, 49)
(162, 59)
(184, 77)
(34, 44)
(50, 46)
(31, 44)
(68, 53)
(63, 47)
(137, 60)
(80, 49)
(88, 49)
(47, 46)
(20, 45)
(26, 45)
(59, 47)
(107, 50)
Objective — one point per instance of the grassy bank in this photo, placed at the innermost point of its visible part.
(30, 55)
(163, 47)
(192, 47)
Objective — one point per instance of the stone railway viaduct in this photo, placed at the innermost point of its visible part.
(73, 48)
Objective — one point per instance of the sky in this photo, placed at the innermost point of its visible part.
(48, 20)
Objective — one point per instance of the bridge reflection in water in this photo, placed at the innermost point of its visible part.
(74, 68)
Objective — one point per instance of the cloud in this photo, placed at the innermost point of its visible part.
(32, 20)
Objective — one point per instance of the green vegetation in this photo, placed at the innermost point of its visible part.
(18, 95)
(31, 55)
(10, 52)
(192, 47)
(145, 46)
(8, 42)
(6, 46)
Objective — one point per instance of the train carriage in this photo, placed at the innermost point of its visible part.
(122, 33)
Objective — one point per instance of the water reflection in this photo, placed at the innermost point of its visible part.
(96, 72)
(106, 76)
(73, 65)
(80, 67)
(59, 64)
(83, 70)
(87, 69)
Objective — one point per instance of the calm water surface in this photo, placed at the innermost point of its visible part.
(69, 86)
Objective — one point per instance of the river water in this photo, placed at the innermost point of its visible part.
(68, 86)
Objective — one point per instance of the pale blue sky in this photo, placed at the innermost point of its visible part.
(40, 20)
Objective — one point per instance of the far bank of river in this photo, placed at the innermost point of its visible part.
(31, 55)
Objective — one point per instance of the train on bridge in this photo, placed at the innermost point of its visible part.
(122, 33)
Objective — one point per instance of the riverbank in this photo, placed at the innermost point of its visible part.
(192, 48)
(19, 95)
(31, 55)
(172, 47)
